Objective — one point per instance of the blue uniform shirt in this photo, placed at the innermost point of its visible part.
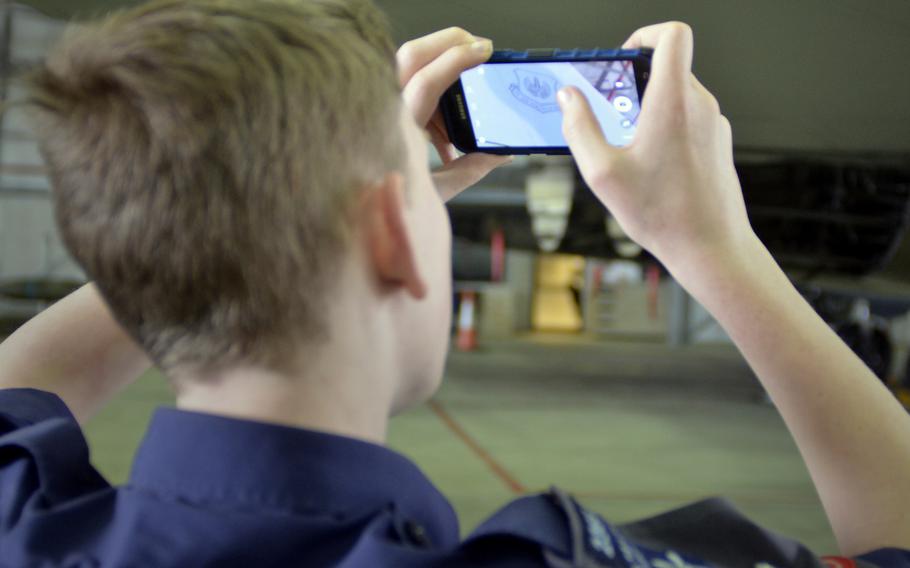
(214, 491)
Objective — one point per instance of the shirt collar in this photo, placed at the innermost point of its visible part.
(205, 458)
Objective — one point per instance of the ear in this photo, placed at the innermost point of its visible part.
(389, 246)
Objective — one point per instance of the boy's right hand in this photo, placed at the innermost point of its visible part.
(674, 190)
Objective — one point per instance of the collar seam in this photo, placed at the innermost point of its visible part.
(235, 501)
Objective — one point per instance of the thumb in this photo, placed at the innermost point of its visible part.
(463, 172)
(593, 154)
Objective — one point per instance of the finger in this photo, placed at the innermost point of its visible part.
(649, 36)
(447, 152)
(706, 96)
(444, 147)
(422, 92)
(726, 128)
(593, 154)
(673, 46)
(726, 132)
(666, 100)
(438, 124)
(439, 137)
(415, 54)
(462, 173)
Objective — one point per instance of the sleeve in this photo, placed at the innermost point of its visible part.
(25, 407)
(44, 457)
(890, 557)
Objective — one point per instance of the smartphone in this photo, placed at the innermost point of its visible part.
(508, 104)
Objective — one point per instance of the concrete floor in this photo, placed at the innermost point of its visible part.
(631, 429)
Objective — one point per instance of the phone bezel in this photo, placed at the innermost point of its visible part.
(457, 117)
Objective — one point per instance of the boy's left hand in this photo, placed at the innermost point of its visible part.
(427, 67)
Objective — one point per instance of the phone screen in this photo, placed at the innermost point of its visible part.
(514, 104)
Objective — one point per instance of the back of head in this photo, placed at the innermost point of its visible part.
(203, 154)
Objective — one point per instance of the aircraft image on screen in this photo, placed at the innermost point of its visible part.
(515, 104)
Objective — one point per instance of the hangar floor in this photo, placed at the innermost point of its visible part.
(632, 429)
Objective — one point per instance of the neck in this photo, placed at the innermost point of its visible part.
(322, 402)
(346, 384)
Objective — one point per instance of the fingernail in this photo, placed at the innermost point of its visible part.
(564, 95)
(482, 46)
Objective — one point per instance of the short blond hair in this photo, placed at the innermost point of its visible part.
(203, 154)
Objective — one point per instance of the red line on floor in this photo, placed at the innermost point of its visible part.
(498, 470)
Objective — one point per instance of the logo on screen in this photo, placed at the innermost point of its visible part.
(536, 90)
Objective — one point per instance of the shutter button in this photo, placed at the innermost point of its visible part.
(417, 534)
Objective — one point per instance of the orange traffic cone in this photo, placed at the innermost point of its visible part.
(467, 335)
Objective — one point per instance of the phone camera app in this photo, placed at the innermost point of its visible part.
(622, 104)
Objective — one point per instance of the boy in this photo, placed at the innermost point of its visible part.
(248, 190)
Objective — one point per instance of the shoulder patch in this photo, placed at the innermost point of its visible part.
(595, 543)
